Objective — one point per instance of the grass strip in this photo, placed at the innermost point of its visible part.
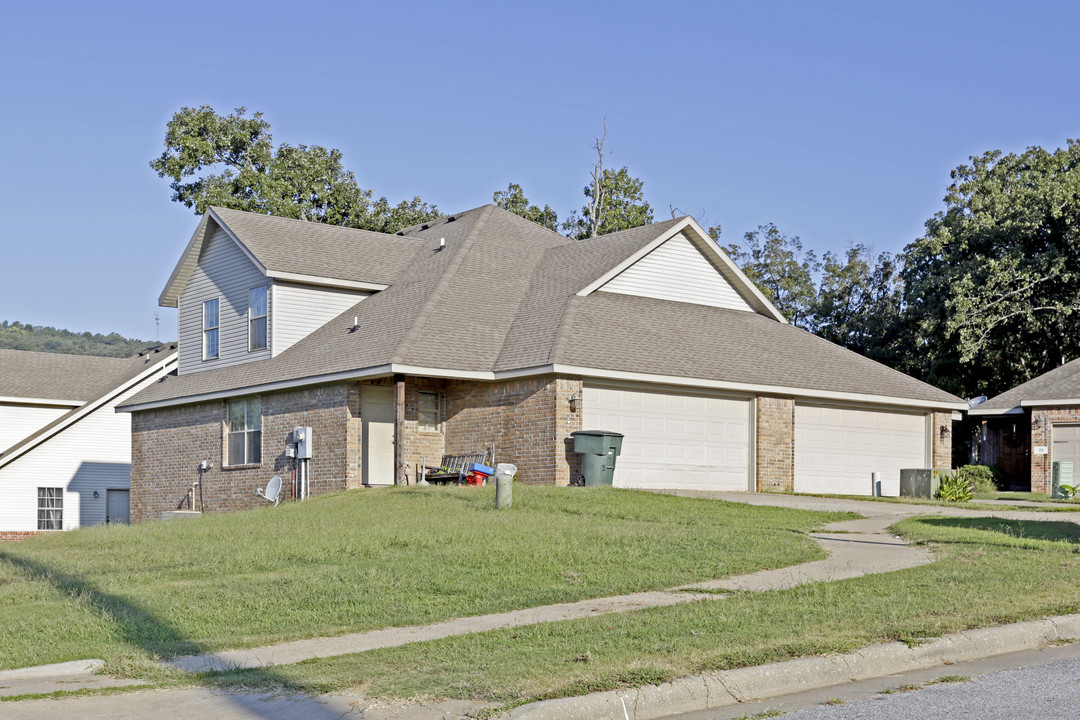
(364, 560)
(990, 571)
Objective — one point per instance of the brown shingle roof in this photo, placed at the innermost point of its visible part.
(321, 250)
(1061, 383)
(54, 376)
(501, 295)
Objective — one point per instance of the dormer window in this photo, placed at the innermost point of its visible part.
(257, 318)
(210, 329)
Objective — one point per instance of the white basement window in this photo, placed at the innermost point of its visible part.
(257, 318)
(210, 329)
(50, 514)
(244, 443)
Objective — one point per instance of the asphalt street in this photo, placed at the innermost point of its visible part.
(1036, 685)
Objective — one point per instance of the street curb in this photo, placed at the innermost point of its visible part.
(72, 667)
(731, 687)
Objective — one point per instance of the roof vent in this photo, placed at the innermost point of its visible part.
(442, 243)
(451, 219)
(424, 227)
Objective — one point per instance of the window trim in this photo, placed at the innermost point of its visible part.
(265, 317)
(53, 504)
(216, 329)
(438, 411)
(248, 430)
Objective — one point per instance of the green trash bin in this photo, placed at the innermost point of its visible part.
(598, 450)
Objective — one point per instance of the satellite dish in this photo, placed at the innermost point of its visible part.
(273, 490)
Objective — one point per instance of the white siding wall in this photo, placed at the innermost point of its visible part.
(92, 454)
(677, 271)
(226, 273)
(18, 421)
(299, 310)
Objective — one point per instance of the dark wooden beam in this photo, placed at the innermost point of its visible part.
(399, 430)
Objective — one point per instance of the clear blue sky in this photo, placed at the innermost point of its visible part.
(839, 121)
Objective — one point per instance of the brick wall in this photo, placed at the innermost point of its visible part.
(775, 436)
(16, 535)
(942, 428)
(1042, 421)
(525, 421)
(169, 443)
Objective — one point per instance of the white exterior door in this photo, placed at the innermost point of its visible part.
(117, 507)
(377, 428)
(673, 439)
(836, 449)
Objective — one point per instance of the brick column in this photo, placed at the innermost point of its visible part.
(775, 457)
(942, 429)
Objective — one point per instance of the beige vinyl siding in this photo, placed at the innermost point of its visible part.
(224, 272)
(677, 270)
(94, 453)
(18, 421)
(299, 310)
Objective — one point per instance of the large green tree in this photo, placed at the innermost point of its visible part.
(231, 161)
(858, 302)
(513, 199)
(992, 291)
(782, 270)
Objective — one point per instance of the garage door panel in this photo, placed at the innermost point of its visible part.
(673, 440)
(837, 449)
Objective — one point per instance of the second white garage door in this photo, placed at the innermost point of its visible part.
(673, 440)
(836, 449)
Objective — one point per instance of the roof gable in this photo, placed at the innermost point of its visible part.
(683, 264)
(298, 251)
(1060, 386)
(677, 270)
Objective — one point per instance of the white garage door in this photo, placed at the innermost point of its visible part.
(836, 449)
(673, 440)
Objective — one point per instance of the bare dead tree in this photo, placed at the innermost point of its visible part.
(595, 214)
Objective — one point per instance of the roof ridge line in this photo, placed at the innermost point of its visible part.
(440, 288)
(566, 324)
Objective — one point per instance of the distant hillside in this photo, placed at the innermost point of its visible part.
(16, 336)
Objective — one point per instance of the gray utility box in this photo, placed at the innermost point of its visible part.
(921, 482)
(598, 450)
(1061, 474)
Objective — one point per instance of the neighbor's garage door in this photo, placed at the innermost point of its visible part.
(673, 440)
(1066, 446)
(836, 449)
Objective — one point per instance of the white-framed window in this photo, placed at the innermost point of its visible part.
(243, 444)
(210, 328)
(50, 512)
(429, 410)
(257, 318)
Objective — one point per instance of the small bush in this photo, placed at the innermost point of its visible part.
(982, 478)
(955, 487)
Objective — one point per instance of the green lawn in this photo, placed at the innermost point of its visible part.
(363, 560)
(984, 507)
(1036, 497)
(990, 571)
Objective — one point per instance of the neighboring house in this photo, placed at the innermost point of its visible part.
(483, 330)
(66, 455)
(1027, 428)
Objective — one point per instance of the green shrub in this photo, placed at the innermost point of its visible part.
(982, 478)
(955, 487)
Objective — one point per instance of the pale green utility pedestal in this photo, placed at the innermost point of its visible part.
(504, 485)
(1061, 474)
(921, 482)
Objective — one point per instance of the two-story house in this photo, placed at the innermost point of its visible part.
(65, 454)
(483, 330)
